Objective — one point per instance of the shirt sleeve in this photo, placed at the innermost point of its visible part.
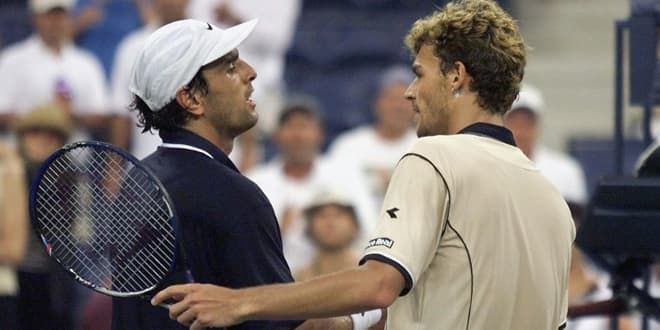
(8, 84)
(411, 219)
(94, 98)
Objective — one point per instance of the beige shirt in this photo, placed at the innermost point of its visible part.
(481, 237)
(8, 281)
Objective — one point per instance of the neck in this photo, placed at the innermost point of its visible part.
(298, 170)
(54, 46)
(329, 261)
(224, 142)
(467, 112)
(388, 133)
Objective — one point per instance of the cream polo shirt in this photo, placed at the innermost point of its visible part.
(482, 239)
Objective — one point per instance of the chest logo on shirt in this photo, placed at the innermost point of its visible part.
(392, 212)
(381, 241)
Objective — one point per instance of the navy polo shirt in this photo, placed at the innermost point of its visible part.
(230, 233)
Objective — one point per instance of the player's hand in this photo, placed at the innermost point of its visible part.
(201, 305)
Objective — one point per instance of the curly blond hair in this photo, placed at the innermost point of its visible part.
(481, 35)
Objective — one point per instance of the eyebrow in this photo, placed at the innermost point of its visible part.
(226, 59)
(416, 69)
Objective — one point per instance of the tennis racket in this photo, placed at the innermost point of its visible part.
(106, 219)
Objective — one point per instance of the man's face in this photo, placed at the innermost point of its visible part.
(332, 227)
(429, 94)
(38, 143)
(170, 10)
(392, 108)
(299, 138)
(54, 26)
(228, 105)
(523, 125)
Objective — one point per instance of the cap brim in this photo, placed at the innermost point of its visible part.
(235, 35)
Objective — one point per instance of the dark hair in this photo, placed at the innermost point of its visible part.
(481, 35)
(301, 105)
(172, 115)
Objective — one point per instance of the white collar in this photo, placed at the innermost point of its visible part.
(186, 147)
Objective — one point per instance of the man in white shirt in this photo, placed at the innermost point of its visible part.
(375, 149)
(299, 173)
(48, 68)
(563, 171)
(128, 133)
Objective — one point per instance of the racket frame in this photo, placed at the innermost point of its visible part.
(179, 251)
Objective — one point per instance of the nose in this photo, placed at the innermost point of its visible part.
(410, 92)
(251, 74)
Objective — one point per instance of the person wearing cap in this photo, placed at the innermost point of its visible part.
(470, 235)
(375, 149)
(524, 120)
(48, 68)
(43, 287)
(299, 171)
(190, 83)
(332, 225)
(128, 134)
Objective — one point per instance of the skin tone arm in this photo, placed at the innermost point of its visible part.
(370, 286)
(13, 208)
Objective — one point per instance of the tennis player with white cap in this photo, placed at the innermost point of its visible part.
(190, 83)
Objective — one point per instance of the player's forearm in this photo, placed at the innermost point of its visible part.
(341, 293)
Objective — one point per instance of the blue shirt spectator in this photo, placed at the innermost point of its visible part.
(101, 24)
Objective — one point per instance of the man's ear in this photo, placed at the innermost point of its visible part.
(190, 100)
(458, 77)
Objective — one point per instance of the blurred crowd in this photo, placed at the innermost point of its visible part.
(63, 77)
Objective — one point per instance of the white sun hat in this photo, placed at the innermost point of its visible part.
(529, 98)
(174, 53)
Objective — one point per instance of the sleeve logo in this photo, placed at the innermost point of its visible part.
(392, 212)
(381, 241)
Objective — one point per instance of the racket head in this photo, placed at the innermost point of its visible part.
(105, 218)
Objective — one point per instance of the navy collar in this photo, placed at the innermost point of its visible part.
(186, 137)
(496, 132)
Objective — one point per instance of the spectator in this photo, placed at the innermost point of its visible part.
(377, 148)
(584, 284)
(99, 25)
(128, 134)
(13, 231)
(48, 68)
(299, 173)
(44, 290)
(332, 226)
(524, 120)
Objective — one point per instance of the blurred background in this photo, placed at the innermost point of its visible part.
(333, 119)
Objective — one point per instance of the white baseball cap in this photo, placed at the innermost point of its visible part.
(529, 98)
(174, 53)
(42, 6)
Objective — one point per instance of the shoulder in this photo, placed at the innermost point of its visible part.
(84, 59)
(354, 136)
(265, 173)
(548, 158)
(133, 41)
(21, 50)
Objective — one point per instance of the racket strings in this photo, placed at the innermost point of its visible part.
(106, 220)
